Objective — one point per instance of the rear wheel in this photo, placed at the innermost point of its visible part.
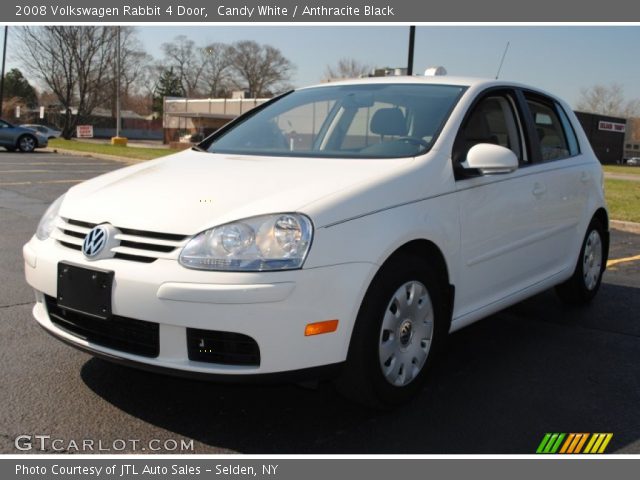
(398, 329)
(587, 276)
(27, 143)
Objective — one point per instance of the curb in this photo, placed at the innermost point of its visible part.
(631, 227)
(101, 156)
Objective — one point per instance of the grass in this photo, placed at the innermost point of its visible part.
(107, 149)
(627, 170)
(623, 199)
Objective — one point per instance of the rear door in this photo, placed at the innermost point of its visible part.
(568, 177)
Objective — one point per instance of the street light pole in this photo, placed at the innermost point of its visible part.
(412, 40)
(4, 57)
(118, 121)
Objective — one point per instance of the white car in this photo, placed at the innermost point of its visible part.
(341, 230)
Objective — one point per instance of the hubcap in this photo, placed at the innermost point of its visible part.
(592, 260)
(406, 333)
(27, 143)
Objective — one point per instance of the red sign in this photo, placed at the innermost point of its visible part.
(84, 131)
(611, 126)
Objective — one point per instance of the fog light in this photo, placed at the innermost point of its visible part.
(318, 328)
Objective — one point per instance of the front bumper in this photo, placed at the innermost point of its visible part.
(273, 308)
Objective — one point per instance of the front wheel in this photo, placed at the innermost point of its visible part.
(587, 276)
(399, 327)
(26, 143)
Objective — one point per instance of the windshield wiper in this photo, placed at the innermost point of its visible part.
(199, 149)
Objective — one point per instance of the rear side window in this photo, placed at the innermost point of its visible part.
(555, 135)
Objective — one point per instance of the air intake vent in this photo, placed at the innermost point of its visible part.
(119, 333)
(222, 347)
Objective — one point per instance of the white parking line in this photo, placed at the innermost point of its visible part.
(42, 182)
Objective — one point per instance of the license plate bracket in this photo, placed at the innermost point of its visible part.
(85, 290)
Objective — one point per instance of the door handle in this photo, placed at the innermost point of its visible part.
(539, 190)
(585, 177)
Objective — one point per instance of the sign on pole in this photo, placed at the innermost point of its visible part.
(84, 131)
(41, 112)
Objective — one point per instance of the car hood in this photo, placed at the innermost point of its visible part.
(192, 191)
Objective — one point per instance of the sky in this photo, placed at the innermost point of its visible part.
(559, 59)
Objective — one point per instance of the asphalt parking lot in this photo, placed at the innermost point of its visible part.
(503, 382)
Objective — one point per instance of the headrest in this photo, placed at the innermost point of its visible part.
(389, 121)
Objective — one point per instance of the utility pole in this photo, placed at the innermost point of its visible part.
(118, 140)
(412, 40)
(118, 121)
(4, 58)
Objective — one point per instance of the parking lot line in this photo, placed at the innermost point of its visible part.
(42, 182)
(616, 261)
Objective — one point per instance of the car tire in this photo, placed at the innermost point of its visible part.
(399, 328)
(585, 282)
(27, 143)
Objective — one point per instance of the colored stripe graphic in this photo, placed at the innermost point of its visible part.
(598, 443)
(550, 443)
(573, 443)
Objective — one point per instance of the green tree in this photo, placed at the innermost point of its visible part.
(169, 85)
(16, 86)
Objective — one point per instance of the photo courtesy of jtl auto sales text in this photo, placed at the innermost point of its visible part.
(285, 239)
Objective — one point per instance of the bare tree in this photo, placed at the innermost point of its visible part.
(346, 68)
(216, 76)
(607, 100)
(260, 69)
(188, 62)
(74, 63)
(134, 65)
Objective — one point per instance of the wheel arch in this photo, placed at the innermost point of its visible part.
(602, 216)
(429, 251)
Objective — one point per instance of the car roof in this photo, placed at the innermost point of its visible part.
(476, 82)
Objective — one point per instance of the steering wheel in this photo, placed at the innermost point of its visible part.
(414, 140)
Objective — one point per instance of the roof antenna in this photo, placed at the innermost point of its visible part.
(502, 61)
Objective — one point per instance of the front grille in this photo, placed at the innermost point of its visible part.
(135, 245)
(225, 348)
(119, 333)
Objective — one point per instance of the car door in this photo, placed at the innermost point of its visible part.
(500, 214)
(6, 134)
(568, 177)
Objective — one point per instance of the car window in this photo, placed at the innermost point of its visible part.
(492, 120)
(549, 128)
(344, 121)
(572, 141)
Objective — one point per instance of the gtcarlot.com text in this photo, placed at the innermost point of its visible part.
(49, 443)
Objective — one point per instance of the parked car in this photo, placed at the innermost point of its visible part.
(49, 132)
(341, 230)
(15, 138)
(633, 161)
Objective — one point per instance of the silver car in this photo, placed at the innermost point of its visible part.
(43, 129)
(14, 138)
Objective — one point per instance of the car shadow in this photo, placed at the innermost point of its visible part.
(498, 387)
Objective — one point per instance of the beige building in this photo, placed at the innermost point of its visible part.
(190, 115)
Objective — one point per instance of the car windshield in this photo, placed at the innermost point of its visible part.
(343, 121)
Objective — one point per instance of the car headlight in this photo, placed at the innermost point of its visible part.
(47, 222)
(264, 243)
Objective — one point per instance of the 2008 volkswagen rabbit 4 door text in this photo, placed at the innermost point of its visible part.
(343, 229)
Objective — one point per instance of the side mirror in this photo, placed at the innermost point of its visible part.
(491, 159)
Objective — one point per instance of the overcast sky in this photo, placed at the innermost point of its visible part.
(559, 59)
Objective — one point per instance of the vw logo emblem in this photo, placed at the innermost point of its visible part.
(95, 241)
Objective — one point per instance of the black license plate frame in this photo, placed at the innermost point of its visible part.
(85, 290)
